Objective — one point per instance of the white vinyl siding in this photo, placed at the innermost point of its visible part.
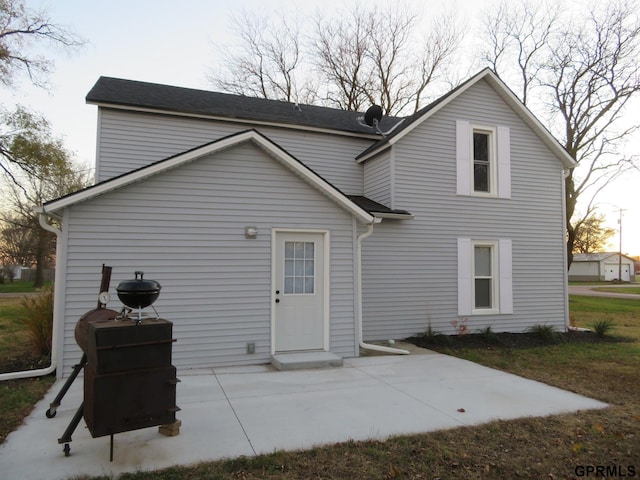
(410, 274)
(130, 140)
(378, 178)
(185, 228)
(504, 162)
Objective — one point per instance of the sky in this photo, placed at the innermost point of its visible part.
(177, 43)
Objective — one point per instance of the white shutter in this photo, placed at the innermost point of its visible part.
(504, 162)
(465, 283)
(506, 280)
(463, 157)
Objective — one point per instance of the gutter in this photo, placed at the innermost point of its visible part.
(368, 346)
(41, 372)
(565, 260)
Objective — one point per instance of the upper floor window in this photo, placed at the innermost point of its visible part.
(483, 159)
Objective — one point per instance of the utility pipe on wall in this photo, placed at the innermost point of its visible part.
(368, 346)
(54, 340)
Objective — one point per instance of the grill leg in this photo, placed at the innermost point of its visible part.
(66, 436)
(53, 406)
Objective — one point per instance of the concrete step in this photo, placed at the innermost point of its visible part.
(305, 360)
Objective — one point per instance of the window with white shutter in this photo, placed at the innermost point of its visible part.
(483, 160)
(484, 277)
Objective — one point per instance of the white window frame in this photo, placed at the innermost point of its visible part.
(502, 272)
(494, 277)
(492, 158)
(499, 162)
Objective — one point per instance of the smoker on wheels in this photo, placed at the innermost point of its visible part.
(129, 381)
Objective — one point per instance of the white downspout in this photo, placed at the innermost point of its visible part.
(565, 263)
(368, 346)
(54, 340)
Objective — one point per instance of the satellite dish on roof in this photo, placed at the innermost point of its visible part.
(373, 115)
(372, 119)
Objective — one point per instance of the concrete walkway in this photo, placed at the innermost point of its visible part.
(228, 412)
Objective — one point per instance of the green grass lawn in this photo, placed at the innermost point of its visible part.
(13, 337)
(17, 397)
(531, 448)
(19, 287)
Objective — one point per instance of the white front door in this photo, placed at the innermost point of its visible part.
(299, 291)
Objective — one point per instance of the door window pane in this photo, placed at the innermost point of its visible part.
(299, 267)
(288, 268)
(308, 249)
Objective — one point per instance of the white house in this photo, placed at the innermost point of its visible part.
(604, 266)
(297, 228)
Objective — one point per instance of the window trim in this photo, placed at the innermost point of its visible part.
(503, 290)
(501, 172)
(494, 277)
(492, 145)
(304, 275)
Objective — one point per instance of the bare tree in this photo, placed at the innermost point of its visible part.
(339, 49)
(520, 33)
(266, 61)
(582, 66)
(349, 61)
(21, 31)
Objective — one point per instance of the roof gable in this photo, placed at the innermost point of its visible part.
(276, 152)
(410, 123)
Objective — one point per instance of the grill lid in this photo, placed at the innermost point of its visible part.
(138, 293)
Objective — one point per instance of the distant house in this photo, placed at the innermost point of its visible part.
(276, 227)
(598, 267)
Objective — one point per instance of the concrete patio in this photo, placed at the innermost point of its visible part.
(233, 411)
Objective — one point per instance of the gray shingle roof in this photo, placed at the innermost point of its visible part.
(130, 93)
(374, 207)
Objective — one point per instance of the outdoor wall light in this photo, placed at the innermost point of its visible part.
(250, 232)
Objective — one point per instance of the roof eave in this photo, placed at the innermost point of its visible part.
(393, 216)
(514, 102)
(244, 121)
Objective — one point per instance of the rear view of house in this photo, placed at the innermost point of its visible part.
(278, 228)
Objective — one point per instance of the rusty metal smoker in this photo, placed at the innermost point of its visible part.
(129, 382)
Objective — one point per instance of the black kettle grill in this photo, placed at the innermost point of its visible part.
(138, 293)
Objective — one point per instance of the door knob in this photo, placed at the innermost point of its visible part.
(277, 300)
